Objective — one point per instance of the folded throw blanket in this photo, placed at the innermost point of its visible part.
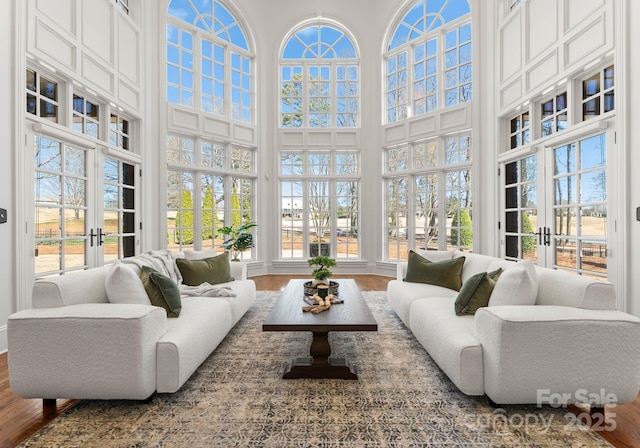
(164, 261)
(206, 290)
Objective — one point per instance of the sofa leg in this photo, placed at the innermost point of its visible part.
(48, 403)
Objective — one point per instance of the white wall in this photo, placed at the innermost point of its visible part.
(632, 129)
(7, 177)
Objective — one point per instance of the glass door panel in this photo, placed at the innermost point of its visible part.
(60, 193)
(580, 207)
(521, 227)
(118, 232)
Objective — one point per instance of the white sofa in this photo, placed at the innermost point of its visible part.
(75, 343)
(570, 346)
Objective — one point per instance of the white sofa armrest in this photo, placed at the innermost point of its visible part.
(238, 270)
(93, 350)
(401, 270)
(533, 353)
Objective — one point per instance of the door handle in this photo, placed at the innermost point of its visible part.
(101, 236)
(539, 233)
(91, 237)
(547, 236)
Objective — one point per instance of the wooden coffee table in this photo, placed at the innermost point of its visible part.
(352, 315)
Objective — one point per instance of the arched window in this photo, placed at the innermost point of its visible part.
(319, 79)
(428, 59)
(211, 175)
(209, 61)
(427, 175)
(319, 181)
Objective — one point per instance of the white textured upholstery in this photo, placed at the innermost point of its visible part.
(75, 344)
(123, 285)
(103, 350)
(401, 295)
(189, 339)
(450, 341)
(71, 289)
(473, 263)
(558, 288)
(517, 285)
(564, 338)
(559, 349)
(245, 291)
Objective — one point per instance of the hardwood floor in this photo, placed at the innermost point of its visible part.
(20, 418)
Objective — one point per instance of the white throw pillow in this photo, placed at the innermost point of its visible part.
(435, 255)
(518, 285)
(200, 254)
(124, 286)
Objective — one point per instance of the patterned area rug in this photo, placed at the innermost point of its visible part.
(237, 398)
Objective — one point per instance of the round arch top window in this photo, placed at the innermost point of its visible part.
(319, 42)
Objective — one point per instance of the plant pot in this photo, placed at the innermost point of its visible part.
(317, 281)
(310, 290)
(316, 249)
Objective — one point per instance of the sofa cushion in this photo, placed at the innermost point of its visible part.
(123, 285)
(474, 263)
(401, 295)
(561, 288)
(476, 291)
(446, 273)
(518, 285)
(190, 339)
(212, 270)
(162, 291)
(450, 340)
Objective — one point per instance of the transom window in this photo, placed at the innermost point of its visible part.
(428, 59)
(598, 94)
(86, 116)
(319, 79)
(119, 132)
(520, 130)
(553, 115)
(42, 96)
(209, 63)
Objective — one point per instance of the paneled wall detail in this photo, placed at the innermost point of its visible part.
(543, 41)
(90, 41)
(445, 121)
(320, 139)
(186, 120)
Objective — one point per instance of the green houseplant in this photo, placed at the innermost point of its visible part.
(322, 272)
(237, 239)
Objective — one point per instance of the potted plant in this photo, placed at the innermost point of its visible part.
(237, 239)
(322, 273)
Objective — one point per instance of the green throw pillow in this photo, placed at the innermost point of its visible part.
(476, 291)
(447, 273)
(211, 270)
(162, 291)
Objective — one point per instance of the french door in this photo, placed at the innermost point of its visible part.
(556, 207)
(85, 205)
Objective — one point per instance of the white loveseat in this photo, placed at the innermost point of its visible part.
(75, 343)
(570, 345)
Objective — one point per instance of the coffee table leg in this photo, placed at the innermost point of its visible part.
(320, 349)
(320, 365)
